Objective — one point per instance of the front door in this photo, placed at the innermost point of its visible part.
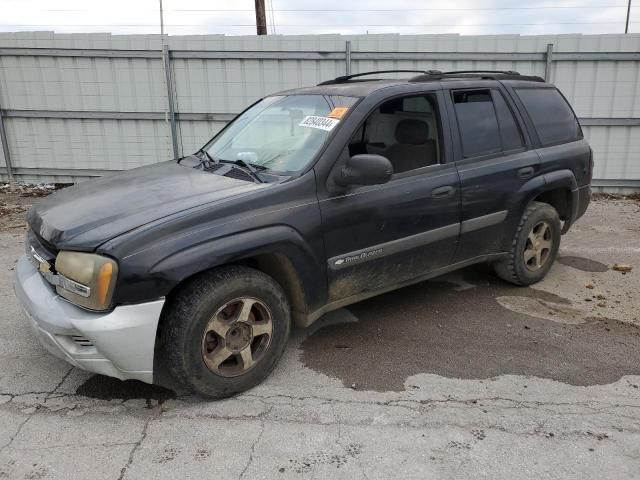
(381, 236)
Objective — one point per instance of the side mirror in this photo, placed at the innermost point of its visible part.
(364, 169)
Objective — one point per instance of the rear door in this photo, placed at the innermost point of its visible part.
(494, 159)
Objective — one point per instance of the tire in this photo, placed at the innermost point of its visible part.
(531, 237)
(199, 325)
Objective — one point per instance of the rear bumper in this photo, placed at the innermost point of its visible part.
(583, 199)
(119, 343)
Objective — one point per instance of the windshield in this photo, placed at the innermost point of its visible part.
(281, 133)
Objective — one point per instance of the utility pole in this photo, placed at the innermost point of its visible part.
(261, 18)
(626, 26)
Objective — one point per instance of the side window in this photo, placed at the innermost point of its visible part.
(509, 130)
(477, 122)
(406, 130)
(551, 115)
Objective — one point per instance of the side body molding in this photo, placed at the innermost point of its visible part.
(394, 246)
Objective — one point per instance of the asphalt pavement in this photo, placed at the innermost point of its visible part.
(460, 377)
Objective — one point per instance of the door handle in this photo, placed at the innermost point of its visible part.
(443, 192)
(526, 172)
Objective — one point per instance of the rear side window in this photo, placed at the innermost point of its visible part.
(486, 122)
(551, 115)
(477, 122)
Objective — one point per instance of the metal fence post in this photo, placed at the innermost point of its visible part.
(5, 149)
(347, 57)
(166, 60)
(548, 58)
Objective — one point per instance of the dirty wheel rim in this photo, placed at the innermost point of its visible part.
(538, 247)
(237, 337)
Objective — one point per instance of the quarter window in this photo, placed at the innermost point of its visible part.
(509, 130)
(551, 115)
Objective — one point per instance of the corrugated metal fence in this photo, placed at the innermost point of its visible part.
(77, 105)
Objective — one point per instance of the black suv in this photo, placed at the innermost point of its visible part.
(310, 200)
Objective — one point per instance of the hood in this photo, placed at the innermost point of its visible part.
(88, 214)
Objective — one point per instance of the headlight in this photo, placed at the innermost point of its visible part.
(86, 279)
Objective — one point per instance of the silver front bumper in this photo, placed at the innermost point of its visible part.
(119, 343)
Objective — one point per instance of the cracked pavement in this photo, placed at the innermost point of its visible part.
(461, 377)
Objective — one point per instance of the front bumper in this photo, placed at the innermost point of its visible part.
(119, 343)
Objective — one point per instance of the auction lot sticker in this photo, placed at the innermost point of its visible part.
(321, 123)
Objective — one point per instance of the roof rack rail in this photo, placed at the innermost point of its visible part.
(505, 72)
(483, 74)
(346, 78)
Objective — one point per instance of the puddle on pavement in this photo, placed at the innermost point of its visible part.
(108, 388)
(435, 327)
(552, 311)
(581, 263)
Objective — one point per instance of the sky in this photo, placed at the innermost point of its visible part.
(237, 17)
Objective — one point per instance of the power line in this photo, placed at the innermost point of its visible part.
(319, 25)
(433, 9)
(272, 19)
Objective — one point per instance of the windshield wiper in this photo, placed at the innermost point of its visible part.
(251, 169)
(242, 165)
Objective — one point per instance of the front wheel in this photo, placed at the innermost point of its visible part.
(225, 330)
(534, 247)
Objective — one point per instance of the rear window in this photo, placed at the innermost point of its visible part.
(551, 115)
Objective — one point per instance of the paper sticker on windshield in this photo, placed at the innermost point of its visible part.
(322, 123)
(338, 112)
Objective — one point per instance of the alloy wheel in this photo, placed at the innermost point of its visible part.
(237, 337)
(538, 247)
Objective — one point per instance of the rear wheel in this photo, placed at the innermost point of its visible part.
(225, 331)
(534, 247)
